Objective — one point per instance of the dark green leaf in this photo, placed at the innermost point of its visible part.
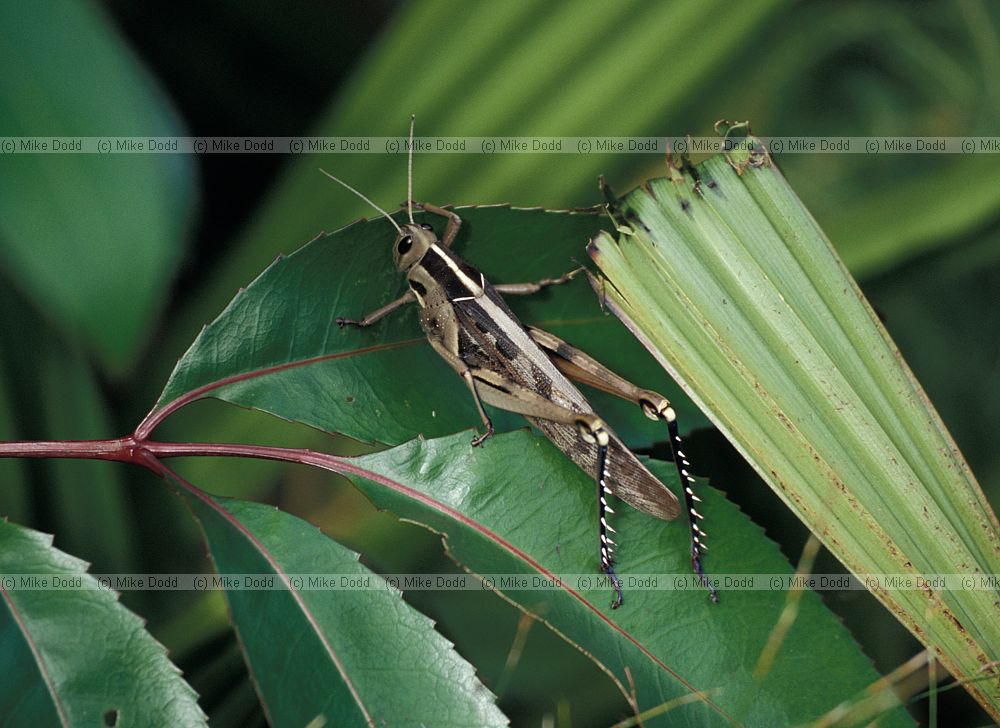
(343, 655)
(75, 656)
(518, 506)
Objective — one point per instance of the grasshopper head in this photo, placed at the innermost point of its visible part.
(413, 241)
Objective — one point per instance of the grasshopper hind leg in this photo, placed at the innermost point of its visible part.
(594, 433)
(698, 547)
(603, 509)
(583, 368)
(494, 389)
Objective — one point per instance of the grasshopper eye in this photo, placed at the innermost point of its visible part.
(425, 226)
(404, 245)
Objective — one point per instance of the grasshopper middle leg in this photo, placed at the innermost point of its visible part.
(526, 289)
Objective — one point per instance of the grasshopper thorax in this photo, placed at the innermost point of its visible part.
(412, 243)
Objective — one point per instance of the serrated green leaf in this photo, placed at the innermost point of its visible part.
(738, 292)
(75, 656)
(279, 341)
(518, 506)
(341, 656)
(92, 239)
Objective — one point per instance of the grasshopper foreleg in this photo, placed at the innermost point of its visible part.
(454, 221)
(378, 313)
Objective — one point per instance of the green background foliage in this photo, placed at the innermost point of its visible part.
(111, 265)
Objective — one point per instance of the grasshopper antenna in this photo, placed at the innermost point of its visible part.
(384, 213)
(409, 172)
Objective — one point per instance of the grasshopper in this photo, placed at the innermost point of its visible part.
(526, 370)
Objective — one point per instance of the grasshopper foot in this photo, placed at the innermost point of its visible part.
(699, 570)
(480, 439)
(616, 585)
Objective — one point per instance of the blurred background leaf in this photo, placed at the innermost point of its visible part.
(918, 232)
(15, 494)
(92, 240)
(57, 396)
